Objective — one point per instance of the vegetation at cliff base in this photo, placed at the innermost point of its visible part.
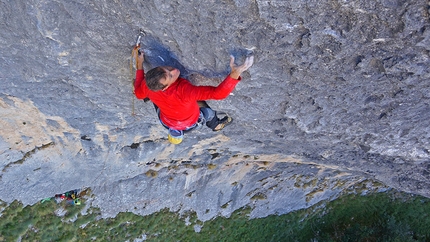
(388, 216)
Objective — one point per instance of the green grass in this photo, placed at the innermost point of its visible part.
(390, 216)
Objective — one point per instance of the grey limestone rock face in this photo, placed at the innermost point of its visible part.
(338, 96)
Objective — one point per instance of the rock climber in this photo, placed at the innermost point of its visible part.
(180, 105)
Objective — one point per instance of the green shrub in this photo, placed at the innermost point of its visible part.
(390, 216)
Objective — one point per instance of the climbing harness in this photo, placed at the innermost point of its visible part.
(137, 48)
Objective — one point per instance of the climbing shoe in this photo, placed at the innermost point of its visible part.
(221, 123)
(175, 136)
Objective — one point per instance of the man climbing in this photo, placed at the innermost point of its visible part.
(179, 104)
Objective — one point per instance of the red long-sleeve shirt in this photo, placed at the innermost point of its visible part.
(178, 104)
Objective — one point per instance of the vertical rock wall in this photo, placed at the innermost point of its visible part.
(339, 94)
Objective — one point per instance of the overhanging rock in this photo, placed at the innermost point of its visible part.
(338, 95)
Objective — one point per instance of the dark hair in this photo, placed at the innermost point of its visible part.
(153, 78)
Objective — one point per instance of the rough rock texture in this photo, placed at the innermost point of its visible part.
(338, 96)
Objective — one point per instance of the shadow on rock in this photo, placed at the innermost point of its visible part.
(156, 54)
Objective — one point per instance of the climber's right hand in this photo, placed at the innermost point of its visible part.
(236, 70)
